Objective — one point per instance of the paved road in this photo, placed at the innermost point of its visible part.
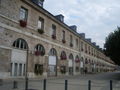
(98, 82)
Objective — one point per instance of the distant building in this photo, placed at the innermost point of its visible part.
(52, 48)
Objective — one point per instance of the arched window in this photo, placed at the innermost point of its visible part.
(77, 60)
(20, 44)
(39, 50)
(89, 61)
(63, 55)
(82, 59)
(92, 62)
(86, 61)
(53, 52)
(71, 56)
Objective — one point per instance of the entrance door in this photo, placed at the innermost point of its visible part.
(70, 67)
(81, 66)
(15, 69)
(52, 66)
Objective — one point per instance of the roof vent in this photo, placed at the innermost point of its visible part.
(73, 27)
(60, 17)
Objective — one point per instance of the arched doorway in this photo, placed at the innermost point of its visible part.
(82, 65)
(52, 63)
(63, 63)
(86, 65)
(39, 52)
(70, 64)
(77, 64)
(18, 57)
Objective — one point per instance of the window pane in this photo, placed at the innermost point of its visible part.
(15, 69)
(71, 39)
(63, 35)
(54, 29)
(39, 24)
(23, 14)
(20, 69)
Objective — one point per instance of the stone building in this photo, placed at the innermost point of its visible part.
(32, 36)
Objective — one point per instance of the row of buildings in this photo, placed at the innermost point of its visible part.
(32, 38)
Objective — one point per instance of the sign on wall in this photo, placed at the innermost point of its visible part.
(52, 60)
(70, 63)
(81, 64)
(18, 55)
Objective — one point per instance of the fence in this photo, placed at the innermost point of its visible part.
(60, 84)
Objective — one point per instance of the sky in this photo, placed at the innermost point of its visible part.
(95, 18)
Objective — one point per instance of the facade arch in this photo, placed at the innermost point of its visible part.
(19, 57)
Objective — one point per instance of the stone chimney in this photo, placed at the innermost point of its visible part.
(60, 17)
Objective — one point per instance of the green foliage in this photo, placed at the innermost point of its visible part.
(112, 46)
(41, 31)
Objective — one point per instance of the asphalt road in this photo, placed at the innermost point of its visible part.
(80, 82)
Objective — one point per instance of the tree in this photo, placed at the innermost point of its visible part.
(112, 46)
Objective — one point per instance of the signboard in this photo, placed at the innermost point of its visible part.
(81, 64)
(18, 56)
(70, 63)
(52, 60)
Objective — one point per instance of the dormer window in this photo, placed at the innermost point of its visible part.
(38, 2)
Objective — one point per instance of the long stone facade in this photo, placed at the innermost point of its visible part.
(31, 35)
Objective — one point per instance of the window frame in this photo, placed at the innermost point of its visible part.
(41, 20)
(25, 13)
(53, 29)
(63, 35)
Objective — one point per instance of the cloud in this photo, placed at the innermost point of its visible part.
(96, 18)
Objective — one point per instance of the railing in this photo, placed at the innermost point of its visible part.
(60, 84)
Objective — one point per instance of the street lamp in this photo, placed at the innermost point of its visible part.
(26, 70)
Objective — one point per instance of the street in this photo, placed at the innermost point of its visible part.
(80, 82)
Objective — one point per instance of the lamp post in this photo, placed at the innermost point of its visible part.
(26, 71)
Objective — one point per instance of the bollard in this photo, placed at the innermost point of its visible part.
(15, 84)
(89, 85)
(44, 84)
(111, 87)
(66, 84)
(1, 82)
(26, 83)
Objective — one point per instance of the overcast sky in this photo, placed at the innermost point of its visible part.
(95, 18)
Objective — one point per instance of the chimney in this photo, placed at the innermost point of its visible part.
(60, 17)
(73, 27)
(82, 35)
(38, 2)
